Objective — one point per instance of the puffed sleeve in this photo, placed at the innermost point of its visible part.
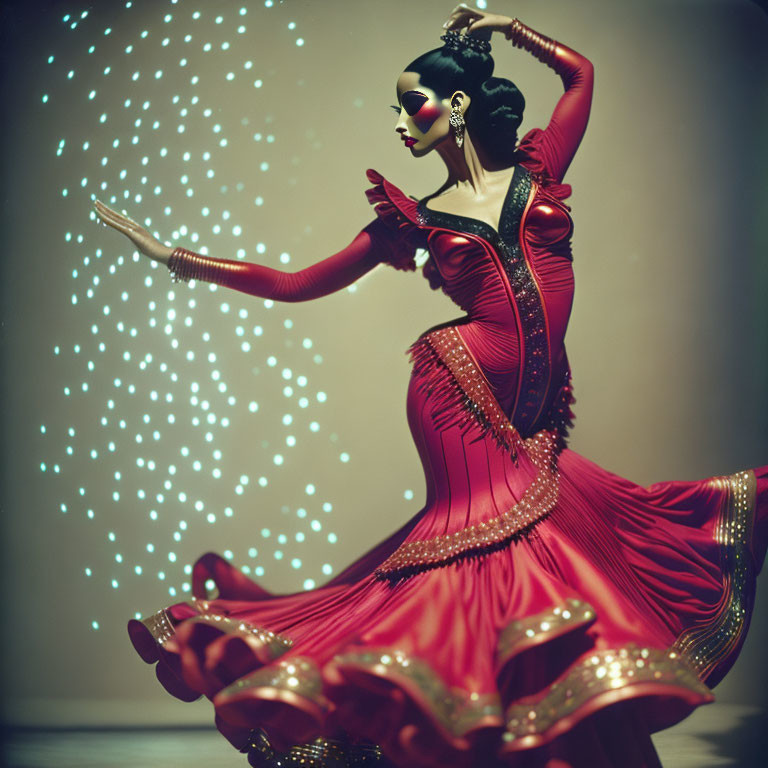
(531, 153)
(393, 248)
(397, 227)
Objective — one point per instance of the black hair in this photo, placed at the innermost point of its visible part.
(496, 108)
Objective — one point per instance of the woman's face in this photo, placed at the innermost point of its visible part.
(423, 117)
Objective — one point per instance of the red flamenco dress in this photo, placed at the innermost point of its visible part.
(538, 610)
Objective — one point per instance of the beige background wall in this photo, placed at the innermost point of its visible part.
(668, 338)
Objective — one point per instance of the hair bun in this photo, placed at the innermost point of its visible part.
(504, 113)
(496, 112)
(472, 57)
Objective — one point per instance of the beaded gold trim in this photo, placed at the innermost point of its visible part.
(185, 265)
(321, 752)
(160, 626)
(707, 645)
(298, 675)
(455, 709)
(537, 501)
(522, 634)
(528, 720)
(275, 645)
(450, 348)
(464, 398)
(542, 47)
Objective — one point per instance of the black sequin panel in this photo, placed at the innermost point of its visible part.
(534, 383)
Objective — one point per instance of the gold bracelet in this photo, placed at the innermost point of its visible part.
(542, 47)
(184, 265)
(514, 29)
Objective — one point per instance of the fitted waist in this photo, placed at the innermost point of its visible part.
(501, 498)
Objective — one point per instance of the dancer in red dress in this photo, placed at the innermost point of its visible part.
(538, 610)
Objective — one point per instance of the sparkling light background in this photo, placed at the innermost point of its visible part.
(162, 386)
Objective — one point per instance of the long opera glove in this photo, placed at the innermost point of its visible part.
(368, 249)
(561, 138)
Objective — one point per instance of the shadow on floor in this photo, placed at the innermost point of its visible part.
(746, 741)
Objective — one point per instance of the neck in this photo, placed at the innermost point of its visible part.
(469, 164)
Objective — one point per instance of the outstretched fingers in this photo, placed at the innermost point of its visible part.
(111, 215)
(462, 16)
(114, 219)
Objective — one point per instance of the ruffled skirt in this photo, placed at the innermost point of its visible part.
(526, 616)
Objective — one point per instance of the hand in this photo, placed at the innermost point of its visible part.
(476, 23)
(148, 245)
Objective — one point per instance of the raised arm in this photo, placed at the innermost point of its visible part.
(561, 138)
(557, 144)
(327, 276)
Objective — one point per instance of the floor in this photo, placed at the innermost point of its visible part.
(713, 736)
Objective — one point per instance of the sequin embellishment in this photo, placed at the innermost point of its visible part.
(468, 388)
(455, 709)
(160, 626)
(522, 634)
(534, 381)
(297, 675)
(538, 500)
(708, 645)
(535, 373)
(561, 416)
(467, 399)
(321, 752)
(599, 678)
(274, 645)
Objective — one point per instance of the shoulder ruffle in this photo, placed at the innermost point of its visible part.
(399, 213)
(392, 204)
(530, 154)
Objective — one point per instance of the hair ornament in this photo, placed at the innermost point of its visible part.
(458, 42)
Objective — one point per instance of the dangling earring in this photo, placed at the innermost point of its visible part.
(456, 121)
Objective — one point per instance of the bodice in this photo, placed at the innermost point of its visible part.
(515, 285)
(466, 253)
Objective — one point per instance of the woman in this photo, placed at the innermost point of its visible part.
(538, 610)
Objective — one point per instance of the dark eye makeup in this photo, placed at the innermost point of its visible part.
(413, 101)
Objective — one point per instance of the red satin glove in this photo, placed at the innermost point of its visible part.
(371, 246)
(561, 138)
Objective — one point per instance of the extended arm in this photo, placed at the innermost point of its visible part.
(324, 277)
(561, 138)
(373, 244)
